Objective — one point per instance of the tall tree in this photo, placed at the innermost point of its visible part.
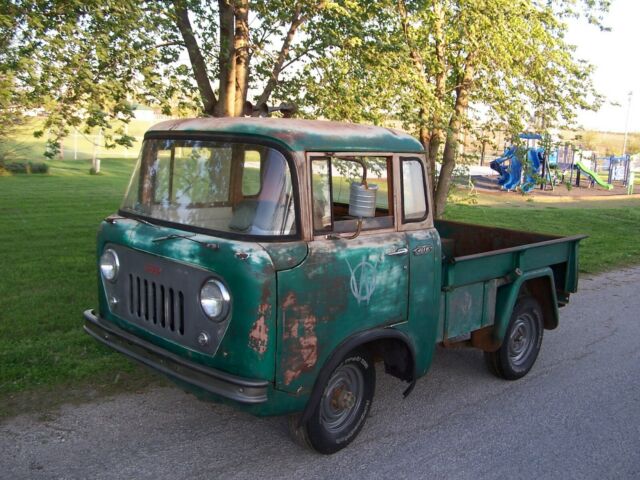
(12, 99)
(443, 66)
(90, 61)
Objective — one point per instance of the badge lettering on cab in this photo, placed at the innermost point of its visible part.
(422, 250)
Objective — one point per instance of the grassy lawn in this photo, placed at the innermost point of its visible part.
(47, 277)
(47, 273)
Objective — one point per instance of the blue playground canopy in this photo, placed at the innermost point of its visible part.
(530, 136)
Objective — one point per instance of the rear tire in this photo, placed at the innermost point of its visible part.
(521, 344)
(342, 409)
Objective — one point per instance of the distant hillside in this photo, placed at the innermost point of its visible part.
(604, 143)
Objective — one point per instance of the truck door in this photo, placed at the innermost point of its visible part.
(345, 285)
(416, 221)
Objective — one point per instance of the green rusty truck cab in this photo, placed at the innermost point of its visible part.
(242, 266)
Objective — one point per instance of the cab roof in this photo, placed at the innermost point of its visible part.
(301, 135)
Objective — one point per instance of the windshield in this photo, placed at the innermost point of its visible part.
(220, 186)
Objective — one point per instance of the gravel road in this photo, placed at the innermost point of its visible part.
(576, 415)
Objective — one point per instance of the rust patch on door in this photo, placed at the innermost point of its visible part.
(299, 339)
(259, 334)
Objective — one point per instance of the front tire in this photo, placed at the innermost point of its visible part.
(521, 344)
(343, 407)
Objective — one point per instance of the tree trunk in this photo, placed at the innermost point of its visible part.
(436, 136)
(426, 139)
(296, 21)
(226, 61)
(453, 132)
(241, 49)
(195, 56)
(233, 59)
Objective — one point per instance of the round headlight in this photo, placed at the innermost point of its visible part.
(109, 265)
(214, 299)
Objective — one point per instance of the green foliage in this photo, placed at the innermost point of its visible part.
(15, 167)
(435, 67)
(439, 66)
(24, 168)
(80, 62)
(12, 99)
(88, 64)
(38, 167)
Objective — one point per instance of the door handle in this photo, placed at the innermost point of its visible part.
(398, 252)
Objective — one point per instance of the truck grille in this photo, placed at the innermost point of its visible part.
(161, 296)
(156, 303)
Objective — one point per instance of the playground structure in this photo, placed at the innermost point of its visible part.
(579, 165)
(521, 167)
(525, 167)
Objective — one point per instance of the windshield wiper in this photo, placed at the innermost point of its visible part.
(212, 246)
(173, 236)
(112, 219)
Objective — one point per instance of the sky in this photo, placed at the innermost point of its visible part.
(616, 57)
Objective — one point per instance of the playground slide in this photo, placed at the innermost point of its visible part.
(514, 174)
(533, 155)
(498, 166)
(592, 175)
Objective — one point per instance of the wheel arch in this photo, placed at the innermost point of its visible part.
(537, 283)
(392, 346)
(543, 290)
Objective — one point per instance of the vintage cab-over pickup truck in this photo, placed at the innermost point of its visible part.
(270, 263)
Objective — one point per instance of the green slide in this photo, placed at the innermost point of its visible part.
(593, 175)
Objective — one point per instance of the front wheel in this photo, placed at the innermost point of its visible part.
(521, 344)
(343, 407)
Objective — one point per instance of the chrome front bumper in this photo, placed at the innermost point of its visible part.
(229, 386)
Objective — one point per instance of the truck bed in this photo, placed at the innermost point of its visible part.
(477, 260)
(474, 253)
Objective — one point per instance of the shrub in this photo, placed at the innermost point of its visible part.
(39, 167)
(16, 167)
(8, 168)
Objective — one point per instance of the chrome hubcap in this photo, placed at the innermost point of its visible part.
(521, 340)
(342, 398)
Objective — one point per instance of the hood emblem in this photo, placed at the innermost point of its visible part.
(152, 269)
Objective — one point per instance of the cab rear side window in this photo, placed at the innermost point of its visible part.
(251, 173)
(414, 192)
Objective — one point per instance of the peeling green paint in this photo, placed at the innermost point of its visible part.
(251, 283)
(302, 135)
(343, 287)
(286, 255)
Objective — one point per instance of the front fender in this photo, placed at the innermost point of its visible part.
(351, 343)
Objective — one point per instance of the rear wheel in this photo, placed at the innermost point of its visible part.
(522, 341)
(343, 407)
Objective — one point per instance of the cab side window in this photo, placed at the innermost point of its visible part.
(414, 195)
(332, 177)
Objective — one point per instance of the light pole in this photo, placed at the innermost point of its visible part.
(626, 125)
